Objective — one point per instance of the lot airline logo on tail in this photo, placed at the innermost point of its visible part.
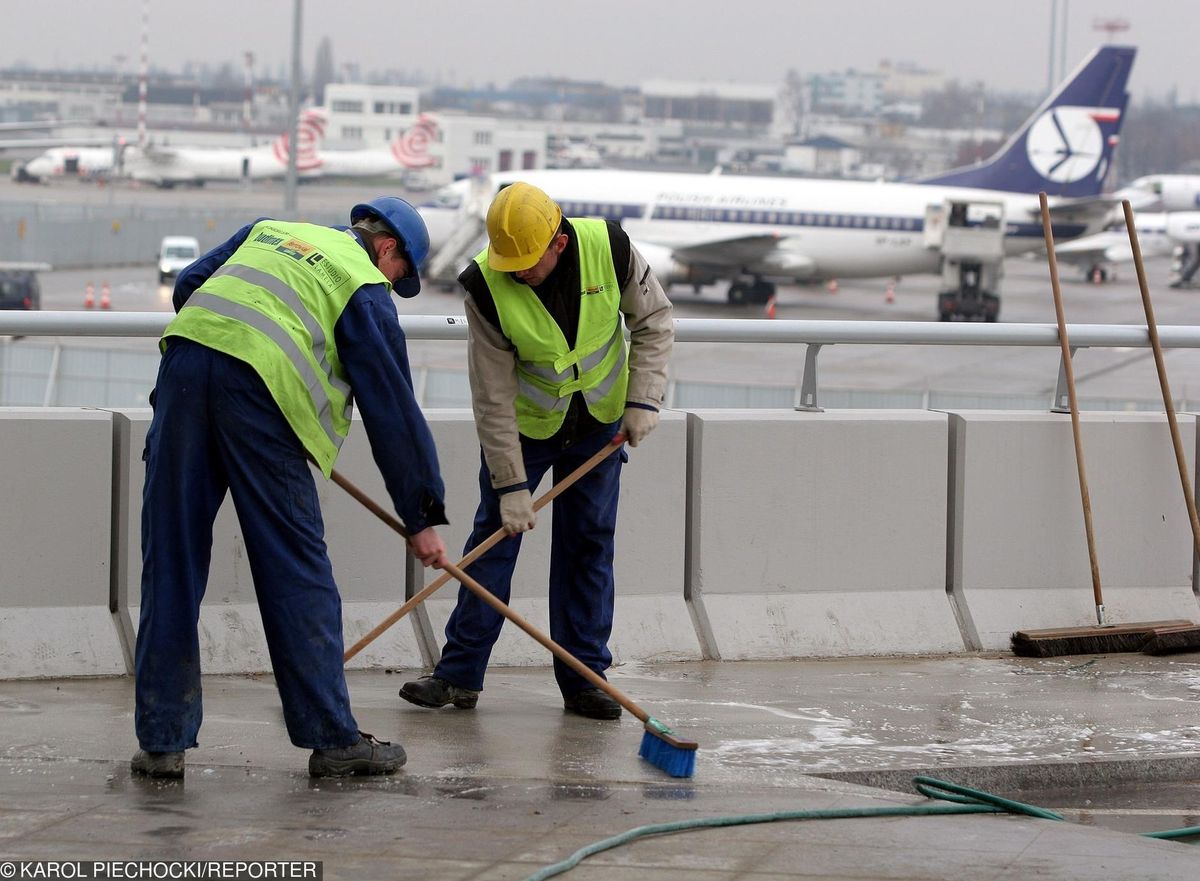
(1066, 143)
(411, 149)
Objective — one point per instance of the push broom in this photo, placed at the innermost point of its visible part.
(1186, 636)
(476, 552)
(660, 746)
(1104, 637)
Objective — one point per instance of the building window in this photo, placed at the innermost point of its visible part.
(482, 139)
(393, 108)
(347, 106)
(352, 131)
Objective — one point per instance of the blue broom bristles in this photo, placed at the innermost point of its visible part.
(675, 761)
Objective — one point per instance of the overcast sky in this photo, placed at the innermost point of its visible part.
(1004, 43)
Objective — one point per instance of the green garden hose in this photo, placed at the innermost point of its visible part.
(967, 801)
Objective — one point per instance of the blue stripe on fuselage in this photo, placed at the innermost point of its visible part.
(618, 212)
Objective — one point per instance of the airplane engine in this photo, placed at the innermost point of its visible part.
(1184, 226)
(668, 270)
(1179, 192)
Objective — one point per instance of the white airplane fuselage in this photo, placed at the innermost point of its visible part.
(359, 163)
(825, 228)
(195, 164)
(84, 162)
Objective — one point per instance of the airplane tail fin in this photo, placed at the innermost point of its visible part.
(1066, 146)
(310, 132)
(411, 149)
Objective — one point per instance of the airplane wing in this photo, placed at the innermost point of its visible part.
(728, 251)
(1107, 247)
(763, 253)
(1083, 209)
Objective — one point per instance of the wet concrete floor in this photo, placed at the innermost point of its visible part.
(499, 792)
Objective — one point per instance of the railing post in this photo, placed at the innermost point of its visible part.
(52, 375)
(808, 383)
(1062, 400)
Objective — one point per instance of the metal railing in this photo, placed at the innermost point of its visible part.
(815, 335)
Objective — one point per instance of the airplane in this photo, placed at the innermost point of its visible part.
(758, 231)
(166, 167)
(406, 152)
(1159, 234)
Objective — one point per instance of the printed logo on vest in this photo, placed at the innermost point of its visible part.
(295, 249)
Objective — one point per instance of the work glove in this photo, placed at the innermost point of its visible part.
(637, 423)
(516, 511)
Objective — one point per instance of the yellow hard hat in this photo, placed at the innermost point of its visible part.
(520, 224)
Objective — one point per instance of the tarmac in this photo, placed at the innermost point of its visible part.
(1111, 742)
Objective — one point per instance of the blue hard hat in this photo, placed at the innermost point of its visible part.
(408, 226)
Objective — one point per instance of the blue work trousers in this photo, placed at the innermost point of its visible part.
(216, 427)
(584, 519)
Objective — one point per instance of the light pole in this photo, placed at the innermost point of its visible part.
(289, 192)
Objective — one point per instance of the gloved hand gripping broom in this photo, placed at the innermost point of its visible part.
(476, 552)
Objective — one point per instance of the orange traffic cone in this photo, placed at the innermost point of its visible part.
(89, 296)
(105, 295)
(833, 285)
(770, 310)
(889, 292)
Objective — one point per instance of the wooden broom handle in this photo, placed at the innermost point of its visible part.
(1168, 401)
(557, 650)
(1048, 232)
(476, 552)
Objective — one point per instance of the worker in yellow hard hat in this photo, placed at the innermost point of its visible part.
(552, 383)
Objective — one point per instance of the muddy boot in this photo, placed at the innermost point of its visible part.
(432, 692)
(168, 766)
(368, 756)
(593, 703)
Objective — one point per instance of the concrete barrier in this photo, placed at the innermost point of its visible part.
(55, 534)
(742, 535)
(368, 563)
(1018, 555)
(819, 534)
(651, 620)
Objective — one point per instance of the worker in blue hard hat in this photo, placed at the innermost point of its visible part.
(278, 330)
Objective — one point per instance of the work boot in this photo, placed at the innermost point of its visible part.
(593, 703)
(367, 756)
(432, 692)
(166, 766)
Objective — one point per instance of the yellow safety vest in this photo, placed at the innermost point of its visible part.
(274, 304)
(548, 370)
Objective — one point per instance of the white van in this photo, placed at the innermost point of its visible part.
(175, 254)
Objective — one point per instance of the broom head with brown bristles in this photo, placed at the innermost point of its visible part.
(1094, 640)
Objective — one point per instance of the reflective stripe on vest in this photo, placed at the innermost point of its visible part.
(274, 304)
(548, 371)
